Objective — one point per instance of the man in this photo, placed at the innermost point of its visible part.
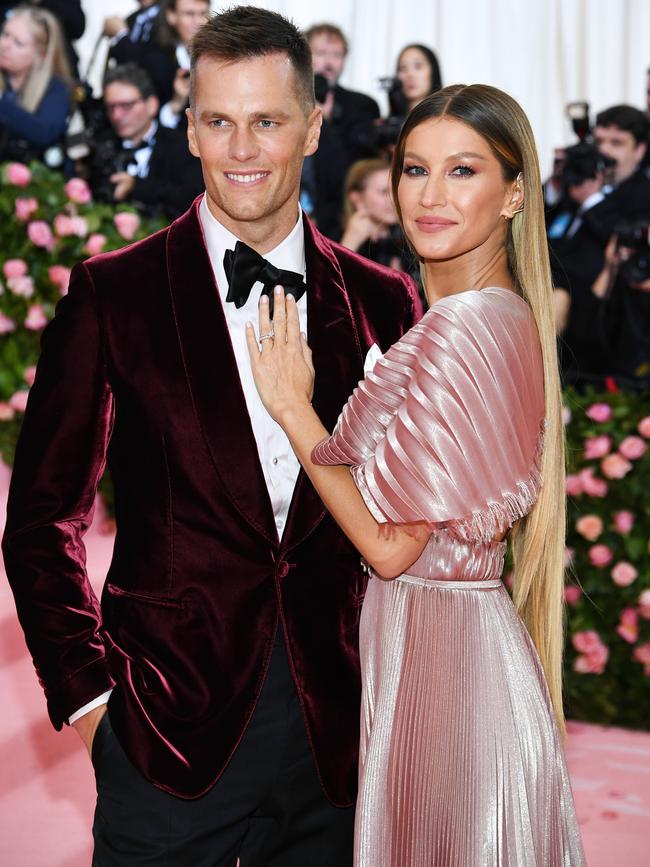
(130, 35)
(621, 133)
(348, 132)
(229, 621)
(140, 161)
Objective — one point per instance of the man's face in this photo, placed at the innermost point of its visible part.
(328, 56)
(187, 16)
(129, 113)
(250, 128)
(620, 145)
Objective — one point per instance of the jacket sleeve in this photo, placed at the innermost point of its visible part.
(60, 457)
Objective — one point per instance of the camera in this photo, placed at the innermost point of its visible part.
(578, 114)
(388, 129)
(583, 162)
(635, 237)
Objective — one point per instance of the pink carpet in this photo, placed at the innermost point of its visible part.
(47, 788)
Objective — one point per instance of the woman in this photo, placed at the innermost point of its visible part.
(418, 71)
(461, 756)
(34, 86)
(370, 222)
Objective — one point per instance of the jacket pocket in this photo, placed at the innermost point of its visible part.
(147, 598)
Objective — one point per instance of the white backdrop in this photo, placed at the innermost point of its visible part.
(544, 52)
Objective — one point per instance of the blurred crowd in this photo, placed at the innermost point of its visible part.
(130, 143)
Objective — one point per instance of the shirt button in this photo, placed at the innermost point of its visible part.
(275, 460)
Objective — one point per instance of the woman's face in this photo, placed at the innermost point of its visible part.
(18, 51)
(414, 71)
(452, 193)
(375, 198)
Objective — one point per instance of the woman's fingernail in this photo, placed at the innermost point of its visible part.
(290, 297)
(278, 290)
(264, 299)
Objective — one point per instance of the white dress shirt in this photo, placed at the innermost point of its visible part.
(279, 464)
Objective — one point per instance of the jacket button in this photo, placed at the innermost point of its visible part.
(283, 569)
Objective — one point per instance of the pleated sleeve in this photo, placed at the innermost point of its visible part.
(447, 428)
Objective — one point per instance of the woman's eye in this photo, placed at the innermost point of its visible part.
(463, 171)
(415, 171)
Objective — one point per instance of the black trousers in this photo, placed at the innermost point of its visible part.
(267, 809)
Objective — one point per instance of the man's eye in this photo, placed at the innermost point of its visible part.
(268, 124)
(218, 122)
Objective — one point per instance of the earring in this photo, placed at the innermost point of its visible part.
(518, 181)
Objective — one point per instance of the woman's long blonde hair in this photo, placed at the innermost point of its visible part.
(49, 42)
(538, 539)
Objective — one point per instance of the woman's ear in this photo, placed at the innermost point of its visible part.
(514, 198)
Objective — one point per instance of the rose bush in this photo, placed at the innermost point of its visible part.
(48, 224)
(607, 671)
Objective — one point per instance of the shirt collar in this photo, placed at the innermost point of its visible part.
(289, 255)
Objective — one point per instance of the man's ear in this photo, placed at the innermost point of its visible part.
(314, 123)
(191, 133)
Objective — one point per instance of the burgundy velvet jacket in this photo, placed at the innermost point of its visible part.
(137, 369)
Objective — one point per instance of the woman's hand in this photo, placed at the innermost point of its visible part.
(281, 359)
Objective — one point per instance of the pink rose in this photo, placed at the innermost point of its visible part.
(586, 642)
(566, 415)
(628, 627)
(7, 325)
(593, 664)
(615, 466)
(15, 268)
(599, 412)
(624, 574)
(644, 427)
(30, 374)
(644, 604)
(25, 208)
(600, 555)
(7, 412)
(18, 174)
(78, 191)
(127, 224)
(624, 521)
(60, 276)
(21, 286)
(641, 654)
(590, 527)
(591, 485)
(95, 244)
(79, 226)
(597, 447)
(18, 400)
(632, 448)
(63, 225)
(36, 318)
(572, 594)
(40, 234)
(573, 486)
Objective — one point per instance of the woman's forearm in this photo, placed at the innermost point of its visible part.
(389, 554)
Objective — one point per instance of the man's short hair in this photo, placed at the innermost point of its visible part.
(131, 73)
(627, 118)
(331, 31)
(246, 32)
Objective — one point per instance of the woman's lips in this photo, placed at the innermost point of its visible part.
(433, 224)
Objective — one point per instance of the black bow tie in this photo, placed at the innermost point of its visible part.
(244, 267)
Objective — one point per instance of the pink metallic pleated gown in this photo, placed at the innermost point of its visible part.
(461, 762)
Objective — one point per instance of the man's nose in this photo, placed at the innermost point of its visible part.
(243, 145)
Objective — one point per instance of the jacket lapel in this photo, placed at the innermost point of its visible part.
(212, 374)
(338, 362)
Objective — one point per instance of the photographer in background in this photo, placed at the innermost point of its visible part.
(418, 71)
(131, 35)
(35, 86)
(70, 17)
(348, 132)
(138, 160)
(623, 290)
